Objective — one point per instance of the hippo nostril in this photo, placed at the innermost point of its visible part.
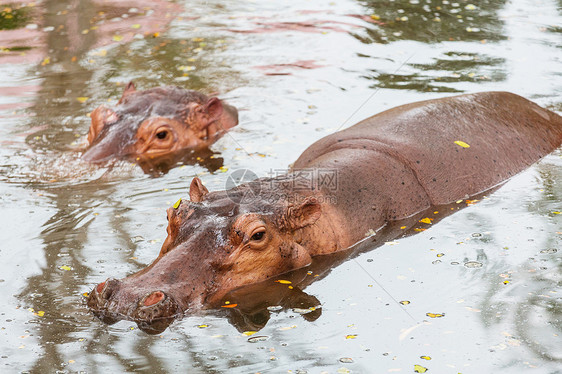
(104, 290)
(154, 298)
(100, 287)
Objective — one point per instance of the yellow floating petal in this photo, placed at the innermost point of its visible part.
(462, 144)
(435, 315)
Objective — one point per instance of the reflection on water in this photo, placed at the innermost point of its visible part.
(452, 67)
(435, 21)
(14, 18)
(66, 225)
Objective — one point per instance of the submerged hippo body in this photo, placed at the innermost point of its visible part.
(385, 168)
(157, 122)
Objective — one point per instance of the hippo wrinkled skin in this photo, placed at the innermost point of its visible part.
(157, 122)
(388, 168)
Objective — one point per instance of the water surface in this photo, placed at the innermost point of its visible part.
(489, 275)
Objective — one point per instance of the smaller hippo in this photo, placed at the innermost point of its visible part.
(349, 185)
(157, 122)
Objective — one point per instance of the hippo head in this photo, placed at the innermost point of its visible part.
(157, 122)
(216, 243)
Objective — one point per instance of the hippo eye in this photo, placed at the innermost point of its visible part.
(162, 134)
(258, 236)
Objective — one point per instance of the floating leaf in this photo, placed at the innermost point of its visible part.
(419, 369)
(426, 220)
(203, 326)
(40, 313)
(117, 38)
(101, 53)
(82, 99)
(402, 227)
(462, 144)
(249, 333)
(177, 204)
(425, 358)
(186, 68)
(473, 264)
(65, 267)
(404, 302)
(229, 306)
(46, 61)
(353, 336)
(435, 315)
(287, 328)
(283, 281)
(136, 26)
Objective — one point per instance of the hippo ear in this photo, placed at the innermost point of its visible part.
(100, 117)
(304, 213)
(213, 107)
(197, 191)
(202, 115)
(129, 89)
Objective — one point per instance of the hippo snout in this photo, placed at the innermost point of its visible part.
(110, 299)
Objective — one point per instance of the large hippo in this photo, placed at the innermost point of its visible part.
(342, 189)
(157, 122)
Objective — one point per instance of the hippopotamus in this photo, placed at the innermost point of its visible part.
(344, 188)
(157, 122)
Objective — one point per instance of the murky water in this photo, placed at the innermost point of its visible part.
(484, 285)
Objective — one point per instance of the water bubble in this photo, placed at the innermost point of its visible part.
(303, 311)
(255, 339)
(137, 239)
(346, 360)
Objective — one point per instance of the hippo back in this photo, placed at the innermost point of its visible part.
(505, 134)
